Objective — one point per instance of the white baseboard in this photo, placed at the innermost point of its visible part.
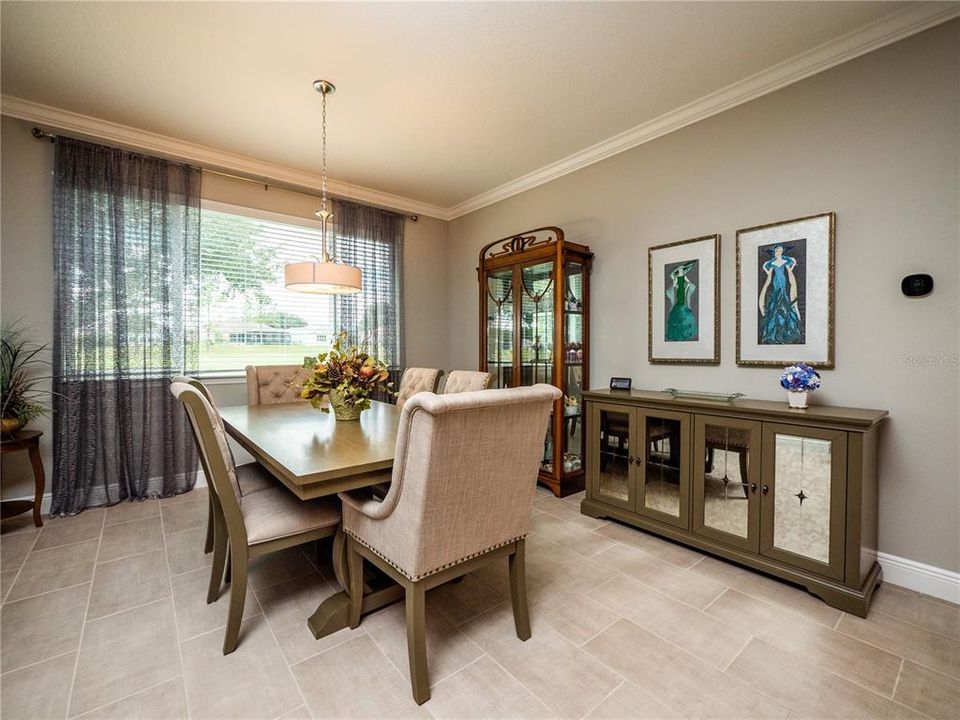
(927, 579)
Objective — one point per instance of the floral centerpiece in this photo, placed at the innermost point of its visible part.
(798, 380)
(345, 378)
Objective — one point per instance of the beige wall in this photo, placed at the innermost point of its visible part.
(877, 140)
(26, 265)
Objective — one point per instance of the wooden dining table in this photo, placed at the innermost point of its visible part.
(314, 455)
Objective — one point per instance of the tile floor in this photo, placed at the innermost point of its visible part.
(104, 617)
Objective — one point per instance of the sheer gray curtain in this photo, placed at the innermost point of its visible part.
(127, 266)
(372, 239)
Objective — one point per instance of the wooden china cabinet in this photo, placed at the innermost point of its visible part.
(534, 328)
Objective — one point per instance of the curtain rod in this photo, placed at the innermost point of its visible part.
(40, 134)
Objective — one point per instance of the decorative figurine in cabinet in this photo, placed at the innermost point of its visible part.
(534, 328)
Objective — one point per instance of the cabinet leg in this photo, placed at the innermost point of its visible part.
(39, 482)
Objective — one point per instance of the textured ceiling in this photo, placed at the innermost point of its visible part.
(436, 102)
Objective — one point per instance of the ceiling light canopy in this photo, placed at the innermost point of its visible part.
(324, 275)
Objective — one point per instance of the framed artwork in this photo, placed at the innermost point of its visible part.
(785, 287)
(683, 303)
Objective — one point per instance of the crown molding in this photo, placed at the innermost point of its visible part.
(65, 121)
(916, 18)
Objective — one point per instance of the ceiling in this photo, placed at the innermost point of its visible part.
(435, 102)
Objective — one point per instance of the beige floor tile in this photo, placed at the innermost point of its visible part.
(769, 589)
(251, 682)
(123, 584)
(355, 680)
(130, 538)
(163, 702)
(22, 523)
(910, 641)
(6, 582)
(629, 701)
(279, 567)
(808, 689)
(682, 682)
(287, 607)
(55, 568)
(298, 713)
(76, 528)
(125, 651)
(930, 692)
(41, 627)
(701, 635)
(459, 602)
(448, 649)
(569, 535)
(652, 545)
(128, 511)
(14, 549)
(185, 551)
(864, 664)
(691, 588)
(567, 511)
(484, 690)
(184, 515)
(38, 691)
(194, 615)
(574, 615)
(562, 676)
(927, 612)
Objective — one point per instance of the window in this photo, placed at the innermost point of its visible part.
(247, 316)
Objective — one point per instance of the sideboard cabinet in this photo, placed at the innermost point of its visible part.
(792, 493)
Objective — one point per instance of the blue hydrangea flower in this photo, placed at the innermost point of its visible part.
(800, 377)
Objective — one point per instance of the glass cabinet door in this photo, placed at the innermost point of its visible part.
(726, 476)
(662, 455)
(803, 497)
(573, 367)
(500, 327)
(613, 479)
(536, 323)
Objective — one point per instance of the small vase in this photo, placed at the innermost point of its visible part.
(797, 399)
(342, 410)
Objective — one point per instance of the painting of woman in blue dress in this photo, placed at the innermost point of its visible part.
(682, 324)
(781, 297)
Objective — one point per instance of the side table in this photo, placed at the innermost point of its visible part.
(28, 440)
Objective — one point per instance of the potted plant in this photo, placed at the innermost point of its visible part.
(20, 377)
(798, 380)
(345, 378)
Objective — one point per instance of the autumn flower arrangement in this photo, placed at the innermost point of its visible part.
(345, 378)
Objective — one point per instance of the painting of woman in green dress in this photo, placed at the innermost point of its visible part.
(781, 297)
(682, 324)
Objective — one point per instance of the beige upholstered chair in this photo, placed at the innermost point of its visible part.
(417, 380)
(250, 476)
(270, 384)
(464, 475)
(257, 524)
(459, 381)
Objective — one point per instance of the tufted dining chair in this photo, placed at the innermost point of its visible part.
(464, 475)
(416, 380)
(273, 384)
(248, 525)
(459, 381)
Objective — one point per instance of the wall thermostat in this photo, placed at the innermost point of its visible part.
(917, 285)
(618, 383)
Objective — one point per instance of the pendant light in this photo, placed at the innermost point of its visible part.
(324, 276)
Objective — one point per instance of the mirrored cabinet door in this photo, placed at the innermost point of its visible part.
(614, 480)
(662, 455)
(803, 497)
(726, 476)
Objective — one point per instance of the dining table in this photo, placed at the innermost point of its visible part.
(313, 454)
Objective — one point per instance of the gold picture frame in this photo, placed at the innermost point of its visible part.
(664, 346)
(758, 338)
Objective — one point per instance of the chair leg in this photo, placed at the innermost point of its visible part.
(518, 591)
(208, 543)
(355, 581)
(417, 642)
(238, 595)
(220, 557)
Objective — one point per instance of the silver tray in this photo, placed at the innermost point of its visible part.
(703, 395)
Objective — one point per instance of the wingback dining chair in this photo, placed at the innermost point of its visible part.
(257, 524)
(464, 475)
(251, 477)
(273, 384)
(416, 380)
(459, 381)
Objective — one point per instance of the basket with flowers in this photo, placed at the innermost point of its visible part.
(345, 378)
(798, 380)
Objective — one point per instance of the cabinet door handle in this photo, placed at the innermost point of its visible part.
(638, 461)
(753, 487)
(765, 489)
(630, 459)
